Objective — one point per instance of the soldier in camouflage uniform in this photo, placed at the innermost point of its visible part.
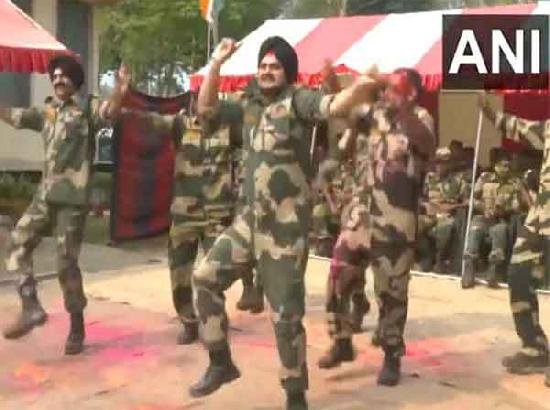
(252, 298)
(271, 232)
(395, 140)
(532, 245)
(497, 197)
(203, 203)
(67, 124)
(326, 214)
(351, 150)
(445, 190)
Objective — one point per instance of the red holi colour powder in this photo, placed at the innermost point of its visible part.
(32, 373)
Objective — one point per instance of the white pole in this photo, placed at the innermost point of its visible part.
(471, 202)
(215, 30)
(313, 141)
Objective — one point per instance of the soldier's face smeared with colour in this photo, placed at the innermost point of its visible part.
(271, 75)
(62, 85)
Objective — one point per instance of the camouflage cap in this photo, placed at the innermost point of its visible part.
(443, 154)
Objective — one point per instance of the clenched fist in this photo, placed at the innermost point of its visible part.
(225, 49)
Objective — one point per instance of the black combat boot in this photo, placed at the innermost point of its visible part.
(495, 269)
(361, 307)
(189, 333)
(340, 351)
(375, 339)
(324, 247)
(296, 401)
(468, 279)
(252, 298)
(391, 370)
(440, 266)
(75, 340)
(257, 306)
(32, 313)
(522, 363)
(221, 370)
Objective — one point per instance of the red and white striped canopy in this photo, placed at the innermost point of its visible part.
(356, 43)
(24, 45)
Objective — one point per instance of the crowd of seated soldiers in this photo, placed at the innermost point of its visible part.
(503, 192)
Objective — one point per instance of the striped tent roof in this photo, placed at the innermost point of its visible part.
(24, 45)
(356, 43)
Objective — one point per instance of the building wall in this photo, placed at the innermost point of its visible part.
(22, 149)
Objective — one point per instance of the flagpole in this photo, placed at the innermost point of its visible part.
(471, 202)
(215, 30)
(208, 41)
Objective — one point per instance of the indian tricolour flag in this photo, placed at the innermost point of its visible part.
(210, 9)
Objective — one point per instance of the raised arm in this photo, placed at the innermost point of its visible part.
(364, 90)
(112, 108)
(208, 94)
(531, 132)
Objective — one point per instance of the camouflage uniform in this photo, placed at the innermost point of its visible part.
(326, 222)
(61, 200)
(440, 226)
(380, 227)
(271, 232)
(496, 200)
(532, 243)
(203, 197)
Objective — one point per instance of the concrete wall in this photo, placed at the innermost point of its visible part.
(458, 119)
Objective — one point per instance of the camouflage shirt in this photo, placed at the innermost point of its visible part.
(536, 134)
(501, 197)
(204, 184)
(276, 143)
(454, 188)
(68, 146)
(393, 174)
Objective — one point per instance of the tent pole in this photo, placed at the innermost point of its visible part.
(471, 202)
(313, 141)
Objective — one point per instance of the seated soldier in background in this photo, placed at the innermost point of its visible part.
(445, 191)
(498, 196)
(457, 151)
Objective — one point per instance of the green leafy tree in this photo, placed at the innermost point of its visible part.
(157, 38)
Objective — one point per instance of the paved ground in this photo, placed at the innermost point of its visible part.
(94, 257)
(455, 341)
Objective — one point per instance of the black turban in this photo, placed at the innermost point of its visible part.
(284, 52)
(70, 67)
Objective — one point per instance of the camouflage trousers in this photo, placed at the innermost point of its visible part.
(325, 227)
(443, 233)
(491, 232)
(281, 270)
(525, 274)
(185, 245)
(67, 224)
(390, 264)
(439, 229)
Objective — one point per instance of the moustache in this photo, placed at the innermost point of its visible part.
(267, 77)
